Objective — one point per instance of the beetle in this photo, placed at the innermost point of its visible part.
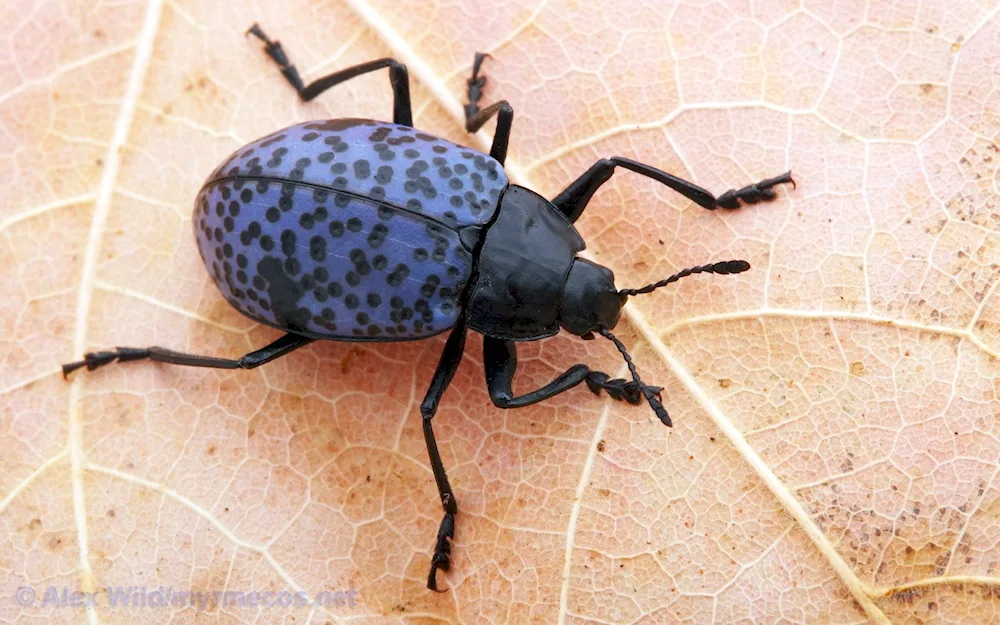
(363, 230)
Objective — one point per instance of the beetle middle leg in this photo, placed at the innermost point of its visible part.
(402, 111)
(500, 363)
(475, 118)
(447, 366)
(575, 197)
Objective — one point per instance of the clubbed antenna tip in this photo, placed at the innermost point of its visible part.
(723, 268)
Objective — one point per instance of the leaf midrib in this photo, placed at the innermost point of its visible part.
(405, 53)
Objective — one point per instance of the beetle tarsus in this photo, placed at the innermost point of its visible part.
(442, 551)
(277, 54)
(619, 389)
(94, 360)
(476, 84)
(762, 191)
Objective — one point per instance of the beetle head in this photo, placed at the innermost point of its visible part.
(590, 303)
(590, 300)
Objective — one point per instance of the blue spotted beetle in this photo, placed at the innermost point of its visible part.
(360, 230)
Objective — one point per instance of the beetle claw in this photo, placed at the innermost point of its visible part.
(256, 31)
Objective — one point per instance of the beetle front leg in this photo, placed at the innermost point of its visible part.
(447, 366)
(500, 363)
(575, 197)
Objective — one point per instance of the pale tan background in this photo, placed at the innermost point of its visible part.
(836, 446)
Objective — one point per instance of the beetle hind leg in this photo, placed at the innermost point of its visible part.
(280, 347)
(451, 357)
(402, 110)
(476, 117)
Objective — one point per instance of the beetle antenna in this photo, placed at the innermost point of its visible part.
(725, 267)
(654, 401)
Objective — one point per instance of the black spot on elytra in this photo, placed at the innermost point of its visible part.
(377, 236)
(317, 249)
(288, 242)
(384, 175)
(271, 141)
(284, 295)
(336, 124)
(398, 275)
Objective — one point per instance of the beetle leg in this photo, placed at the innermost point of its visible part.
(575, 197)
(285, 345)
(475, 84)
(448, 364)
(500, 363)
(402, 112)
(475, 118)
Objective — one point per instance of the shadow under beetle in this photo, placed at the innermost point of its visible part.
(361, 230)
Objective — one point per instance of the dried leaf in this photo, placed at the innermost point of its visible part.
(836, 441)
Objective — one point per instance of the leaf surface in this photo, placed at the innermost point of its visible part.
(836, 442)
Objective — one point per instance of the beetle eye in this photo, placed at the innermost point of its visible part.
(589, 336)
